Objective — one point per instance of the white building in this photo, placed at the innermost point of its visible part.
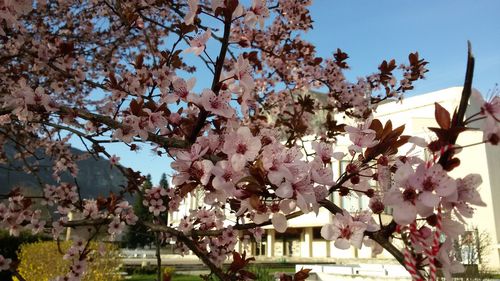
(303, 239)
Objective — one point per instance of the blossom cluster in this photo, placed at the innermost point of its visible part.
(153, 199)
(78, 263)
(18, 215)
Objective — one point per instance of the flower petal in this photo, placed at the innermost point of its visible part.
(279, 222)
(342, 244)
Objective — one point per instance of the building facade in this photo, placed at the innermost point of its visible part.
(303, 238)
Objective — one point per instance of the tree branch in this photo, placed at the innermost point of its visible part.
(467, 90)
(379, 236)
(191, 245)
(215, 82)
(108, 121)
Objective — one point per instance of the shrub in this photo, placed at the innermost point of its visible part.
(35, 257)
(9, 246)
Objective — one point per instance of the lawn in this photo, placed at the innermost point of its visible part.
(184, 277)
(152, 277)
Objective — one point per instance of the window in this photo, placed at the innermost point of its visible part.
(317, 233)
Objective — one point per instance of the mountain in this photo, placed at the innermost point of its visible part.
(95, 177)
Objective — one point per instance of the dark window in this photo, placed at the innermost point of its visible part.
(317, 233)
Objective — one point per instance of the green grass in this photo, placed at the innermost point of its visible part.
(184, 277)
(152, 277)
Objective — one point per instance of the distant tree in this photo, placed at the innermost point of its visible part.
(138, 235)
(472, 249)
(164, 181)
(164, 184)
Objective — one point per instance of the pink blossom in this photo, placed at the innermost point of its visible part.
(361, 136)
(196, 152)
(154, 120)
(324, 151)
(466, 195)
(273, 160)
(114, 160)
(345, 231)
(78, 267)
(199, 170)
(433, 183)
(36, 226)
(185, 225)
(126, 133)
(193, 7)
(225, 177)
(58, 227)
(241, 146)
(156, 206)
(218, 105)
(321, 174)
(403, 196)
(182, 174)
(90, 209)
(257, 233)
(418, 141)
(116, 227)
(203, 170)
(153, 200)
(229, 236)
(4, 263)
(366, 218)
(279, 222)
(491, 110)
(301, 189)
(129, 217)
(182, 90)
(376, 249)
(452, 228)
(197, 44)
(257, 13)
(242, 72)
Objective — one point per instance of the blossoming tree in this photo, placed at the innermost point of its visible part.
(111, 72)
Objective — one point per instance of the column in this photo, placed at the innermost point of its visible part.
(238, 247)
(270, 243)
(68, 229)
(308, 237)
(328, 249)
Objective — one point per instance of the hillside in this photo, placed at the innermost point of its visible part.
(95, 177)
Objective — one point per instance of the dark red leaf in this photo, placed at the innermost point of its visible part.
(387, 130)
(186, 188)
(376, 125)
(139, 60)
(301, 275)
(136, 107)
(442, 116)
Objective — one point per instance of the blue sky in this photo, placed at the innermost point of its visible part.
(371, 31)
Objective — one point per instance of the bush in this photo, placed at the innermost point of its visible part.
(9, 246)
(35, 256)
